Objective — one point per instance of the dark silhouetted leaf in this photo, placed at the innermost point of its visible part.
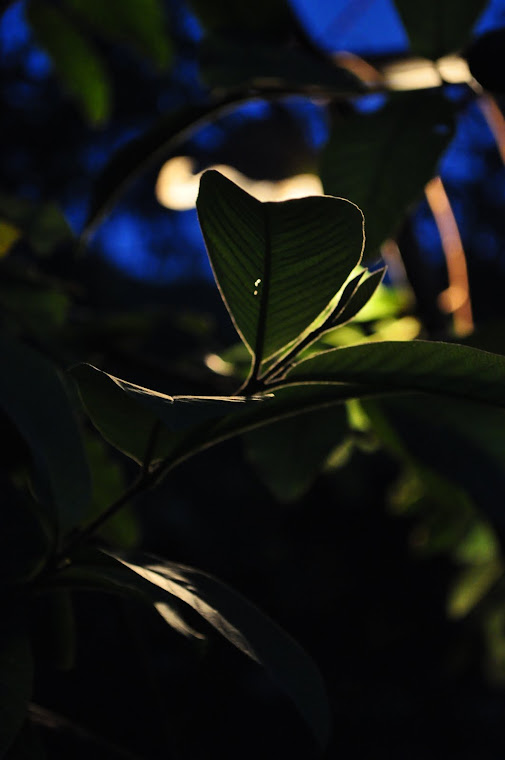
(25, 540)
(278, 265)
(27, 744)
(155, 144)
(107, 479)
(141, 25)
(382, 161)
(78, 65)
(439, 27)
(53, 629)
(33, 396)
(43, 225)
(265, 19)
(39, 309)
(228, 64)
(288, 455)
(246, 628)
(459, 441)
(16, 674)
(441, 368)
(486, 59)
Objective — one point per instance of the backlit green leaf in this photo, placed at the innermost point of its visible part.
(432, 367)
(278, 265)
(359, 297)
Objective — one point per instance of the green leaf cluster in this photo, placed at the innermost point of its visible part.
(291, 276)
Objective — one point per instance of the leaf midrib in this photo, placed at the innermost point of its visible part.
(264, 292)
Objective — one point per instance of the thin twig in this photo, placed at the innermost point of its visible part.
(145, 479)
(151, 446)
(141, 483)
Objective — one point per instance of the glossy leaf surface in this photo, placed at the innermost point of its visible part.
(96, 571)
(247, 628)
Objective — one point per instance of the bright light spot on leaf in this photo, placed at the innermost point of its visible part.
(177, 185)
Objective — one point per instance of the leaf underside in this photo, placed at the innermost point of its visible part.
(432, 367)
(125, 413)
(278, 265)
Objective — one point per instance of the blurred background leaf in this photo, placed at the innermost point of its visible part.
(142, 26)
(79, 66)
(289, 455)
(439, 27)
(382, 161)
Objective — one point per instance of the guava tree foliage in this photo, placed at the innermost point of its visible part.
(293, 277)
(286, 274)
